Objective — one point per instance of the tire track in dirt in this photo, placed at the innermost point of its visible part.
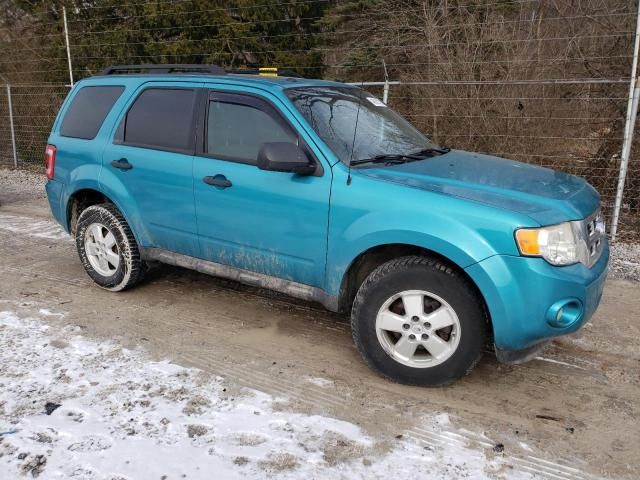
(195, 307)
(303, 328)
(39, 270)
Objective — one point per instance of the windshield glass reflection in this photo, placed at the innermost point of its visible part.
(332, 112)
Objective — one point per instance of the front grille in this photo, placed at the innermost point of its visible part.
(594, 237)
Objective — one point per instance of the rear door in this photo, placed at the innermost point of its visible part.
(273, 223)
(151, 158)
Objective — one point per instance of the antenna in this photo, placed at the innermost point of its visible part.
(355, 131)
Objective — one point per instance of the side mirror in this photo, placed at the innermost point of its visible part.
(284, 157)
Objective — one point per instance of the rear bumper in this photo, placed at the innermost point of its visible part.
(524, 296)
(55, 194)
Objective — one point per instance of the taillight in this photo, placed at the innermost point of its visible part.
(50, 161)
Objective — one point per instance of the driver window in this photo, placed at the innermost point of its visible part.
(236, 131)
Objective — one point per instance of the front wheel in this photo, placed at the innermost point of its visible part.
(418, 321)
(108, 251)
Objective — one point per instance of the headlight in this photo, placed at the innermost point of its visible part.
(557, 244)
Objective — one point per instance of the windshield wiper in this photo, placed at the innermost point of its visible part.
(395, 159)
(430, 152)
(387, 159)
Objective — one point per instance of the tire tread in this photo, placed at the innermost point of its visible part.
(137, 266)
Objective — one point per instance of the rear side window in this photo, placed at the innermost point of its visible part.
(161, 118)
(237, 131)
(88, 110)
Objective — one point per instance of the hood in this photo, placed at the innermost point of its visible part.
(546, 195)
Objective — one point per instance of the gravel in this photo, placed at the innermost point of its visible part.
(625, 261)
(22, 184)
(625, 257)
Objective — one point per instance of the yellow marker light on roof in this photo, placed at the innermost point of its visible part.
(528, 241)
(268, 71)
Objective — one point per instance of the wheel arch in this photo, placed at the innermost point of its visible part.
(87, 196)
(367, 261)
(78, 201)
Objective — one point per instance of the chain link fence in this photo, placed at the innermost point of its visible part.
(513, 121)
(34, 109)
(572, 127)
(541, 82)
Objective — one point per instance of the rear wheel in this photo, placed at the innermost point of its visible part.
(107, 248)
(418, 321)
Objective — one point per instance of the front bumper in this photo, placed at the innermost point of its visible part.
(521, 294)
(523, 355)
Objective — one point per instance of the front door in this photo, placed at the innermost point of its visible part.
(267, 222)
(151, 157)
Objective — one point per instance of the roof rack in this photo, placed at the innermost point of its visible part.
(163, 68)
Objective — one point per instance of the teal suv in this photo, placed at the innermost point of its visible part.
(319, 190)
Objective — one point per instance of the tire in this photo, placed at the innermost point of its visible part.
(386, 304)
(98, 255)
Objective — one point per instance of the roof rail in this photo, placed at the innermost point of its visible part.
(162, 68)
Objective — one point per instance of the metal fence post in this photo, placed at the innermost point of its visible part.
(632, 112)
(66, 41)
(385, 91)
(12, 127)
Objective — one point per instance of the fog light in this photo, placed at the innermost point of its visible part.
(565, 313)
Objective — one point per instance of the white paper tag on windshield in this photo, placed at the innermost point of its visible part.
(376, 102)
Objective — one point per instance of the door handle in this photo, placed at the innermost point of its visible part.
(122, 164)
(217, 181)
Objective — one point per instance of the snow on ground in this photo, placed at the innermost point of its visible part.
(320, 382)
(72, 407)
(34, 228)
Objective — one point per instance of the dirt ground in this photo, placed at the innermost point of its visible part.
(573, 413)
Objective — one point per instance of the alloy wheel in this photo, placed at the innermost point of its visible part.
(418, 329)
(101, 249)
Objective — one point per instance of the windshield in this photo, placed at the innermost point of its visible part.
(332, 111)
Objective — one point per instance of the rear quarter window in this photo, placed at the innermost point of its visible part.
(160, 118)
(88, 109)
